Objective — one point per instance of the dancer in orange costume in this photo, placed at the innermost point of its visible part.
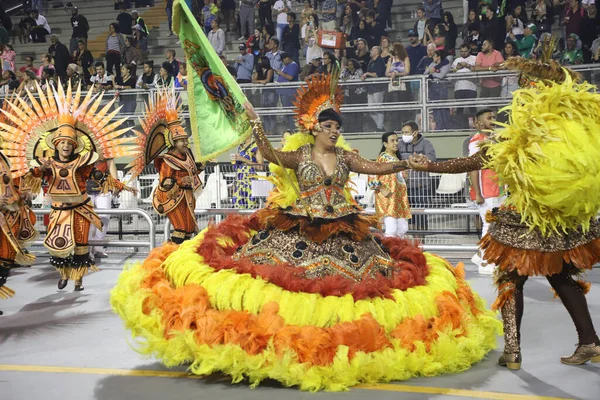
(79, 135)
(179, 183)
(11, 221)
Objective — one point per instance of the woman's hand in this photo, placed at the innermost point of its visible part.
(418, 162)
(250, 110)
(44, 163)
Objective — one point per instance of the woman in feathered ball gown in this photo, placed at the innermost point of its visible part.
(302, 292)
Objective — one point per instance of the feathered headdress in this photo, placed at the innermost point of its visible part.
(161, 127)
(544, 68)
(34, 125)
(320, 93)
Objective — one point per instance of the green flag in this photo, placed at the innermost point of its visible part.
(218, 119)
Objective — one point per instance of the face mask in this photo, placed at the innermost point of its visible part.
(407, 138)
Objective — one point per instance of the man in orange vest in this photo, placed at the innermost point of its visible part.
(485, 190)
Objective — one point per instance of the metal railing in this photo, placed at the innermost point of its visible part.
(150, 243)
(273, 100)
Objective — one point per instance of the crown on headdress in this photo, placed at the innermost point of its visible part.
(320, 93)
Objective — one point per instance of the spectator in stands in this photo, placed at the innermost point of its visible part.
(48, 78)
(132, 55)
(418, 184)
(137, 20)
(427, 60)
(80, 26)
(374, 30)
(474, 40)
(464, 88)
(313, 50)
(362, 54)
(589, 27)
(274, 56)
(421, 24)
(386, 49)
(244, 65)
(509, 83)
(543, 15)
(489, 60)
(527, 43)
(471, 19)
(493, 28)
(169, 11)
(27, 67)
(397, 67)
(83, 58)
(433, 12)
(216, 37)
(416, 51)
(141, 41)
(328, 11)
(29, 82)
(61, 56)
(289, 73)
(354, 94)
(165, 76)
(181, 78)
(264, 74)
(125, 21)
(330, 64)
(383, 8)
(310, 69)
(291, 38)
(228, 10)
(126, 81)
(281, 7)
(247, 18)
(375, 92)
(101, 80)
(573, 18)
(450, 31)
(572, 55)
(73, 76)
(438, 90)
(7, 55)
(170, 57)
(230, 68)
(5, 20)
(46, 63)
(114, 48)
(41, 28)
(148, 78)
(516, 22)
(25, 27)
(209, 13)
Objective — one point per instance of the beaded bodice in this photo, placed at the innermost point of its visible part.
(324, 194)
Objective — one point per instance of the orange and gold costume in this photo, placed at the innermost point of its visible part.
(36, 128)
(162, 128)
(395, 206)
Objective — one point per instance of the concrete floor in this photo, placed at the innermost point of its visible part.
(65, 345)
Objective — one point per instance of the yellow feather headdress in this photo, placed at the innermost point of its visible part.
(32, 124)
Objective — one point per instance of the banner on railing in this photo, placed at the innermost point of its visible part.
(218, 119)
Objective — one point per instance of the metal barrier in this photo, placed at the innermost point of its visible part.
(151, 243)
(416, 211)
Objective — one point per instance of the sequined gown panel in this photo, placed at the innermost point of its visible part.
(242, 187)
(338, 254)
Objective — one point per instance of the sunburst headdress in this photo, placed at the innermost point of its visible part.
(320, 93)
(34, 125)
(161, 127)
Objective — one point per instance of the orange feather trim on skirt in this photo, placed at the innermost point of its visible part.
(535, 262)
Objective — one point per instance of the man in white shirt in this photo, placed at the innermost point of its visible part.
(41, 28)
(464, 88)
(102, 80)
(216, 37)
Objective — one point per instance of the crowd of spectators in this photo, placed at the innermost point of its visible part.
(279, 42)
